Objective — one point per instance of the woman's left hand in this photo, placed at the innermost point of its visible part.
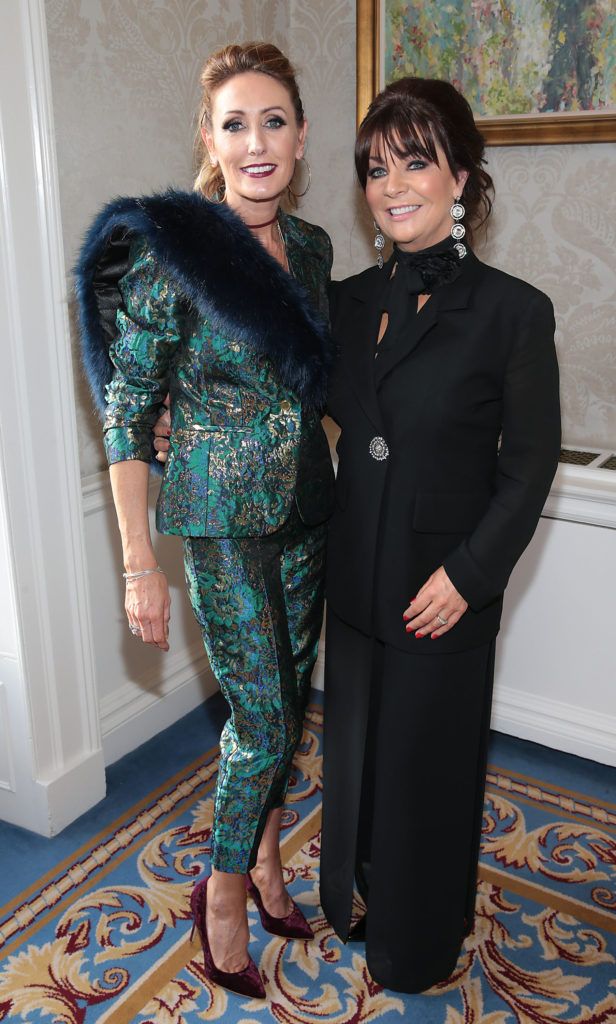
(437, 600)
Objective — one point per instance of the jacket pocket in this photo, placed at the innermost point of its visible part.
(448, 513)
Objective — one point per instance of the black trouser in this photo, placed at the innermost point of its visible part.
(405, 752)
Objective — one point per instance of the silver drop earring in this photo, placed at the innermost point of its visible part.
(379, 245)
(458, 230)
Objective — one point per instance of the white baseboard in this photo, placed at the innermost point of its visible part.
(137, 710)
(552, 723)
(555, 724)
(74, 792)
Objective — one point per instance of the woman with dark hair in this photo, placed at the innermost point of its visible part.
(446, 392)
(215, 296)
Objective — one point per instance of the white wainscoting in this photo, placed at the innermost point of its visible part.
(7, 771)
(556, 654)
(141, 690)
(555, 678)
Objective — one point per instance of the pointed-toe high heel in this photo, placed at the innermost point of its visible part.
(246, 982)
(293, 926)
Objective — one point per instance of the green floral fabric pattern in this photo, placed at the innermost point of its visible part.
(260, 604)
(237, 432)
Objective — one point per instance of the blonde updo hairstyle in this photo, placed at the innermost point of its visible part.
(237, 59)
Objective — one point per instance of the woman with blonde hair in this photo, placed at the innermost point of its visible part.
(218, 298)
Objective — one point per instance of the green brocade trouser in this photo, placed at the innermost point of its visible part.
(259, 602)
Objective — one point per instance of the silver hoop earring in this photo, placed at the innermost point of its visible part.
(458, 230)
(379, 245)
(299, 195)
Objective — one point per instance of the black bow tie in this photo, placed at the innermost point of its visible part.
(416, 273)
(422, 272)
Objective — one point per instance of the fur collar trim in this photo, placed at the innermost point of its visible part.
(223, 272)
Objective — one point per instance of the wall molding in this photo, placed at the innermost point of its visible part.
(556, 724)
(137, 695)
(137, 710)
(552, 723)
(53, 702)
(581, 494)
(8, 767)
(96, 491)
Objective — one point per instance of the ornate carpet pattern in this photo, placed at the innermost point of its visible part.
(105, 936)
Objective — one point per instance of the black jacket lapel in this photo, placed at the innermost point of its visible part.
(455, 295)
(360, 331)
(390, 357)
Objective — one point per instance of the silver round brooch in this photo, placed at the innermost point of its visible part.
(379, 449)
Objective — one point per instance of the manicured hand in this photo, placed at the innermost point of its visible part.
(162, 432)
(148, 607)
(437, 597)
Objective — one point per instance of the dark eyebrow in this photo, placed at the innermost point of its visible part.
(266, 110)
(376, 158)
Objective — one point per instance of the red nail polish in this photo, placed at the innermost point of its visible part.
(433, 636)
(419, 635)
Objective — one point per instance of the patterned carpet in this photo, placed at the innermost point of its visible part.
(104, 935)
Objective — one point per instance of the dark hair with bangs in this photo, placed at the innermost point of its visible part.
(411, 117)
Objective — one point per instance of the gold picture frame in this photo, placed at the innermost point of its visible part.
(515, 130)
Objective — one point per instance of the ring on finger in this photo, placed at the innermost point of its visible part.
(135, 630)
(441, 620)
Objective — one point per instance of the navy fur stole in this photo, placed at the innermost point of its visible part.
(223, 272)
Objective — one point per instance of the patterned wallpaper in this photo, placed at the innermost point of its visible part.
(124, 81)
(125, 89)
(322, 45)
(554, 220)
(555, 225)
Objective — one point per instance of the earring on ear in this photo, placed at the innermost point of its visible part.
(298, 195)
(458, 230)
(379, 245)
(220, 193)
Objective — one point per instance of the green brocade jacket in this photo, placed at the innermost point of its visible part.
(176, 296)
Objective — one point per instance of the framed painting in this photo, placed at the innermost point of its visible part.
(534, 71)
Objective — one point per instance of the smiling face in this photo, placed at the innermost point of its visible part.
(255, 139)
(410, 196)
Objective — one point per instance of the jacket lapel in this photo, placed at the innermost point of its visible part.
(451, 296)
(361, 330)
(426, 320)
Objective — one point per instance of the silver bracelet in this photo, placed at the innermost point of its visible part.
(130, 576)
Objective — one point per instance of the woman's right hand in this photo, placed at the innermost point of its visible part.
(162, 431)
(148, 607)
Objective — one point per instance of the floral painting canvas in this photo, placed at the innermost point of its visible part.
(508, 57)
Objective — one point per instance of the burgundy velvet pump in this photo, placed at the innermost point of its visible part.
(293, 926)
(246, 982)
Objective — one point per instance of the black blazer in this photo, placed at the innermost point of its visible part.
(482, 362)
